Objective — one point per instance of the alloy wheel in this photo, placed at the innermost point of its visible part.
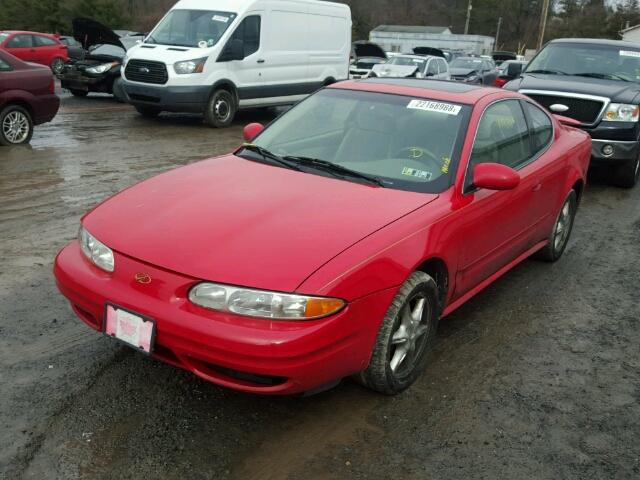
(563, 227)
(57, 66)
(409, 339)
(15, 127)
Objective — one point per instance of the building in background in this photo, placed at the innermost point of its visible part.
(404, 38)
(631, 34)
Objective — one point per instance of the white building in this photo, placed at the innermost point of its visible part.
(631, 34)
(404, 38)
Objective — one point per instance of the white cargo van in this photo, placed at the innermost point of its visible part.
(218, 56)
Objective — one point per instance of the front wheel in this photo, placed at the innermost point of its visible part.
(16, 126)
(405, 337)
(561, 232)
(627, 174)
(57, 66)
(221, 109)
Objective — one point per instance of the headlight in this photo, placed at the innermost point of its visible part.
(263, 304)
(105, 67)
(472, 77)
(190, 66)
(621, 112)
(96, 251)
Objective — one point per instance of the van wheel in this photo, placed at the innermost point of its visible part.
(405, 338)
(148, 112)
(627, 174)
(16, 126)
(221, 109)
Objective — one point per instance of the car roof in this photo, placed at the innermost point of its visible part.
(25, 32)
(416, 56)
(597, 41)
(443, 90)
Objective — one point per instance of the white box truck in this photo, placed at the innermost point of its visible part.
(217, 56)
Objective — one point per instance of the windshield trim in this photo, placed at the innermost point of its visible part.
(465, 117)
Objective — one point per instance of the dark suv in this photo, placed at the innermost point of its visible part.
(596, 82)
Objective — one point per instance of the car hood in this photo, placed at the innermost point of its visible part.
(239, 222)
(461, 71)
(368, 50)
(617, 91)
(386, 70)
(89, 32)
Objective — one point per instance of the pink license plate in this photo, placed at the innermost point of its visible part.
(130, 328)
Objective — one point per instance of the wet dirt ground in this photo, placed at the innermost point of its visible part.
(537, 377)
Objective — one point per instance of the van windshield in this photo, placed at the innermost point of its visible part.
(191, 28)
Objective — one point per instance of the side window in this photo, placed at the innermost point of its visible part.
(540, 126)
(442, 66)
(502, 136)
(249, 32)
(432, 68)
(43, 41)
(4, 66)
(20, 41)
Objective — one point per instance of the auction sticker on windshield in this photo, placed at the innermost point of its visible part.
(431, 106)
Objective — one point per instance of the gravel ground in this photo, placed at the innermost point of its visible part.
(537, 377)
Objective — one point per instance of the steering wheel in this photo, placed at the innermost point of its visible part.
(419, 154)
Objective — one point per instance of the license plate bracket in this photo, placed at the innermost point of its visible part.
(130, 328)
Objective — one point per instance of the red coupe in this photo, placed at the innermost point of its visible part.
(27, 98)
(332, 243)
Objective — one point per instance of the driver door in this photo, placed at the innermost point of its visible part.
(496, 226)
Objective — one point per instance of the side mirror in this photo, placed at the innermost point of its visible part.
(494, 176)
(251, 131)
(234, 50)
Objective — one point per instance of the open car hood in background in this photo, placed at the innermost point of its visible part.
(436, 52)
(89, 33)
(368, 49)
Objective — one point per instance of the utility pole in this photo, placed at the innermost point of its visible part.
(543, 23)
(466, 25)
(496, 47)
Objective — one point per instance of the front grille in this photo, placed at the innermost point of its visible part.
(584, 110)
(146, 71)
(365, 65)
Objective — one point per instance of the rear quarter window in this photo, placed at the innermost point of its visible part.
(540, 127)
(43, 41)
(4, 66)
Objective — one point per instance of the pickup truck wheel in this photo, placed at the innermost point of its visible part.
(79, 93)
(57, 66)
(16, 126)
(628, 174)
(559, 237)
(148, 112)
(221, 109)
(405, 337)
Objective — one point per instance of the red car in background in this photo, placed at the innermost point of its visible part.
(36, 48)
(333, 242)
(27, 98)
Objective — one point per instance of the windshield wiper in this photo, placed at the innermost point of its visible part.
(267, 155)
(601, 75)
(334, 168)
(548, 71)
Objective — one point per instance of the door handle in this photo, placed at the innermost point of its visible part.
(537, 187)
(261, 61)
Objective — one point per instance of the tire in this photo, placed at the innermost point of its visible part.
(221, 109)
(628, 174)
(57, 66)
(16, 126)
(561, 232)
(78, 93)
(389, 372)
(148, 112)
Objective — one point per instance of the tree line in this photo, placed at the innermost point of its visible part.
(519, 26)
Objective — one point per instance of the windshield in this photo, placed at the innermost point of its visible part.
(471, 63)
(620, 63)
(407, 61)
(107, 49)
(406, 143)
(3, 37)
(191, 28)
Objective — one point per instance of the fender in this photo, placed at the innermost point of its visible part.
(225, 82)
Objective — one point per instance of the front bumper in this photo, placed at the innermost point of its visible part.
(180, 99)
(252, 355)
(86, 83)
(621, 151)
